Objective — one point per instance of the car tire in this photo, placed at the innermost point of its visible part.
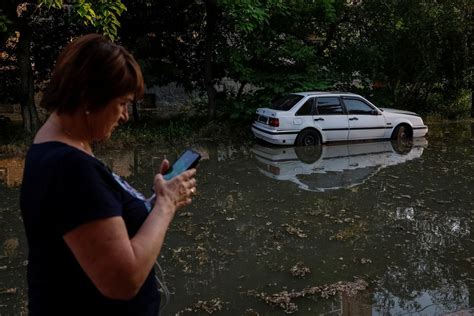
(308, 137)
(402, 131)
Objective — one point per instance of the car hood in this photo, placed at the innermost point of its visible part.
(388, 110)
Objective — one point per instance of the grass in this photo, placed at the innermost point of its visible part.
(176, 131)
(430, 119)
(179, 130)
(13, 140)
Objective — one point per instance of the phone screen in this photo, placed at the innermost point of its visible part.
(186, 161)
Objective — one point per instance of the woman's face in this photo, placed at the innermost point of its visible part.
(103, 121)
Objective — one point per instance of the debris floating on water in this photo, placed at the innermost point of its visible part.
(285, 299)
(299, 270)
(210, 306)
(294, 231)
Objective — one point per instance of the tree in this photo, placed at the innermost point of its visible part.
(417, 51)
(260, 43)
(414, 51)
(19, 16)
(280, 46)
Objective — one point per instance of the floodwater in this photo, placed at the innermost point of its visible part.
(374, 228)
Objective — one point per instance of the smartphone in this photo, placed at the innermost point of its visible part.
(187, 160)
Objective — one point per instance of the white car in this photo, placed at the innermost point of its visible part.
(310, 118)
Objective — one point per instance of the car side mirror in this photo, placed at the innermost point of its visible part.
(375, 112)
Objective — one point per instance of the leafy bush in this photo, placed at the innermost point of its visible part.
(451, 107)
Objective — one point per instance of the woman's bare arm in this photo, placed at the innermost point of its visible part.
(116, 264)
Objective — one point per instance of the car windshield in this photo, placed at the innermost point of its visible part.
(286, 103)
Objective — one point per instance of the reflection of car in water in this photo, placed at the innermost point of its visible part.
(321, 168)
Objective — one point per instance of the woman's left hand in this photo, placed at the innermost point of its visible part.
(175, 193)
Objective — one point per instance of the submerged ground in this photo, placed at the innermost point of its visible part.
(371, 228)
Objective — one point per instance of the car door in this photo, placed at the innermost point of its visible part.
(304, 115)
(331, 118)
(365, 121)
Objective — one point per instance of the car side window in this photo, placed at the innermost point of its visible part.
(354, 106)
(306, 108)
(329, 106)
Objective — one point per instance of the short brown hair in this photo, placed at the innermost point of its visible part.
(91, 71)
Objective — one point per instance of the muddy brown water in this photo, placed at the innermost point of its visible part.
(374, 228)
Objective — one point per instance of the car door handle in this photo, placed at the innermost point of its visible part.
(353, 119)
(319, 119)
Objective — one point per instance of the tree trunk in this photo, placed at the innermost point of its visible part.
(472, 130)
(472, 107)
(27, 90)
(241, 89)
(211, 20)
(135, 111)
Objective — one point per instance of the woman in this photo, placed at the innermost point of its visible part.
(92, 240)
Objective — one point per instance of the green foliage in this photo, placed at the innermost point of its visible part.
(175, 130)
(248, 15)
(5, 23)
(51, 28)
(57, 4)
(102, 15)
(406, 54)
(179, 130)
(241, 109)
(270, 51)
(415, 50)
(453, 107)
(13, 139)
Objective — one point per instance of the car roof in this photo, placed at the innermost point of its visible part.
(319, 93)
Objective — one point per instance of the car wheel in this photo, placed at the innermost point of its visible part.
(401, 132)
(308, 137)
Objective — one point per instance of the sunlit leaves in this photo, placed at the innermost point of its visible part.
(51, 3)
(102, 15)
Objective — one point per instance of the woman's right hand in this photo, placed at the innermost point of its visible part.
(116, 264)
(175, 193)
